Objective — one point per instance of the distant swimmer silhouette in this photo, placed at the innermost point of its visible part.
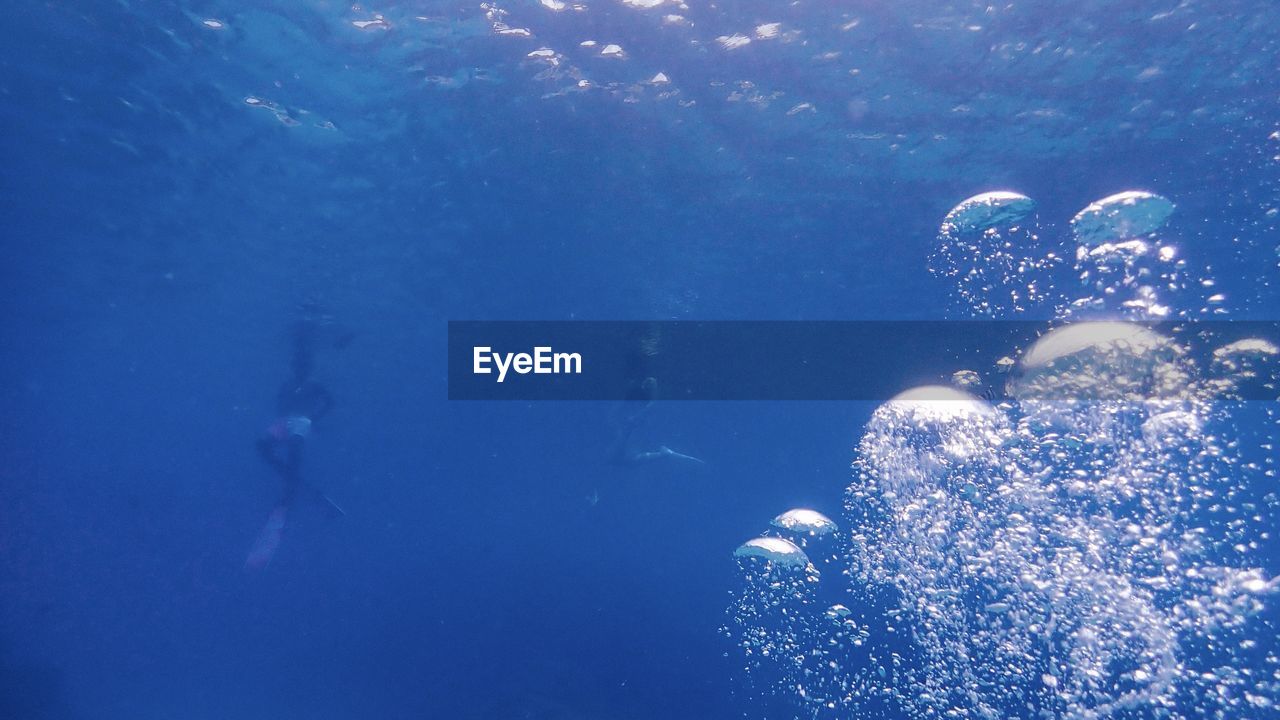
(629, 417)
(300, 402)
(637, 402)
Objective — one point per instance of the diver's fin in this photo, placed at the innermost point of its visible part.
(330, 506)
(268, 540)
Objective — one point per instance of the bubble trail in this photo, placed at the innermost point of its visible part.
(1088, 549)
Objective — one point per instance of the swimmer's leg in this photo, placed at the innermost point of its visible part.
(668, 452)
(268, 539)
(662, 453)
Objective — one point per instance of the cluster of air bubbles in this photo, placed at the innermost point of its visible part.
(998, 267)
(1121, 264)
(989, 254)
(1090, 547)
(1247, 368)
(789, 640)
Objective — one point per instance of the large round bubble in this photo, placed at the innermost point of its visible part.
(1123, 216)
(775, 550)
(802, 520)
(988, 210)
(1101, 360)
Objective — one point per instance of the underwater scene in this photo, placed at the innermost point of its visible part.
(640, 359)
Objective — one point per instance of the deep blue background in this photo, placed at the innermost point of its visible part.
(158, 233)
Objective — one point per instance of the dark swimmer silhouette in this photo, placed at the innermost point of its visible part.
(628, 417)
(631, 413)
(300, 402)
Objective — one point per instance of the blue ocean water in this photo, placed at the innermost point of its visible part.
(179, 177)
